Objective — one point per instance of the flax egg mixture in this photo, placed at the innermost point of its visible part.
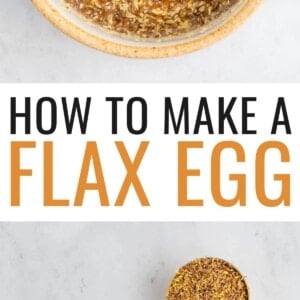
(152, 18)
(208, 279)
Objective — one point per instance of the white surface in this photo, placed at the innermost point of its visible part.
(136, 261)
(265, 49)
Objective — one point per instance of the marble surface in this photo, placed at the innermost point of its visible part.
(136, 261)
(265, 49)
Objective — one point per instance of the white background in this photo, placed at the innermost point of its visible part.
(159, 167)
(86, 261)
(265, 49)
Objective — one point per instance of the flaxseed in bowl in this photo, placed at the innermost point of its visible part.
(147, 28)
(208, 279)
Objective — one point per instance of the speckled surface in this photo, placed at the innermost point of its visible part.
(265, 49)
(136, 261)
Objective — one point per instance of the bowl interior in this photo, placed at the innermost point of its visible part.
(86, 25)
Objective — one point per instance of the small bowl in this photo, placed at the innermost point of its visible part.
(187, 275)
(94, 36)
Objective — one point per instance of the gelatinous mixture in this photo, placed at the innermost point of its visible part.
(151, 18)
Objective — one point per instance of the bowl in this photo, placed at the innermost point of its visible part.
(208, 276)
(84, 31)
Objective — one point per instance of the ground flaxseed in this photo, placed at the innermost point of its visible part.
(151, 18)
(208, 279)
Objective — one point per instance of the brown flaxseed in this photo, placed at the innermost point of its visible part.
(208, 279)
(152, 18)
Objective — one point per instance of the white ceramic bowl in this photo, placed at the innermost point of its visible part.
(93, 35)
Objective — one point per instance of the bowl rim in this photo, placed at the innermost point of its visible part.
(230, 264)
(132, 51)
